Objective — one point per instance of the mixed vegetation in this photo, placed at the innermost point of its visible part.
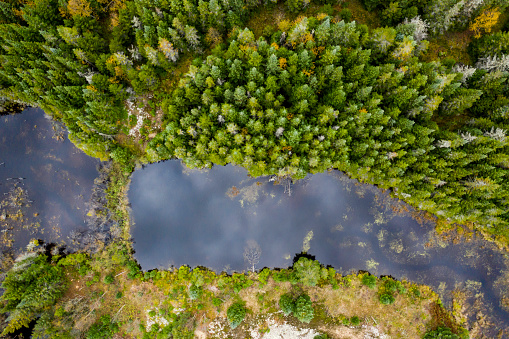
(410, 95)
(101, 295)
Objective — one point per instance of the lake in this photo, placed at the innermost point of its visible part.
(45, 181)
(212, 217)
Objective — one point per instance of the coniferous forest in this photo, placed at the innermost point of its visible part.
(409, 95)
(306, 94)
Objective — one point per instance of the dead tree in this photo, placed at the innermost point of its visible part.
(252, 254)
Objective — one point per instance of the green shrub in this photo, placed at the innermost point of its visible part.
(118, 295)
(103, 329)
(124, 157)
(109, 279)
(327, 9)
(263, 276)
(216, 302)
(346, 15)
(491, 44)
(304, 309)
(280, 276)
(286, 304)
(449, 62)
(369, 281)
(307, 271)
(321, 336)
(235, 314)
(194, 292)
(387, 298)
(133, 269)
(151, 313)
(80, 260)
(441, 333)
(268, 30)
(370, 5)
(59, 312)
(295, 5)
(355, 321)
(240, 281)
(391, 285)
(394, 286)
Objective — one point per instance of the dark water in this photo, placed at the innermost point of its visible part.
(209, 218)
(45, 181)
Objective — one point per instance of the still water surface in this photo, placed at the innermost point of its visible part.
(45, 181)
(209, 218)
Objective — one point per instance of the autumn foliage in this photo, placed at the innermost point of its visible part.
(79, 7)
(485, 21)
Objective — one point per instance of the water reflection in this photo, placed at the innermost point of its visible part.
(45, 182)
(211, 218)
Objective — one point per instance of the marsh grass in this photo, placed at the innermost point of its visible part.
(167, 292)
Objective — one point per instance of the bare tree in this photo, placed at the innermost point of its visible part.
(252, 253)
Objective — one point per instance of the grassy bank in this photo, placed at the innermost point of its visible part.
(106, 294)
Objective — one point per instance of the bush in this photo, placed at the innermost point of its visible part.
(295, 6)
(194, 292)
(235, 314)
(216, 302)
(263, 276)
(394, 286)
(59, 312)
(281, 276)
(109, 279)
(124, 157)
(133, 269)
(327, 9)
(286, 304)
(355, 321)
(387, 299)
(441, 333)
(346, 15)
(268, 30)
(492, 44)
(370, 5)
(103, 329)
(369, 281)
(80, 260)
(118, 295)
(321, 336)
(307, 271)
(304, 309)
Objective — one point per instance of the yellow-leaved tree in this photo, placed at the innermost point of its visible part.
(485, 21)
(79, 7)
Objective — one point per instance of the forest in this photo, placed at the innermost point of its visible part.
(143, 81)
(409, 95)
